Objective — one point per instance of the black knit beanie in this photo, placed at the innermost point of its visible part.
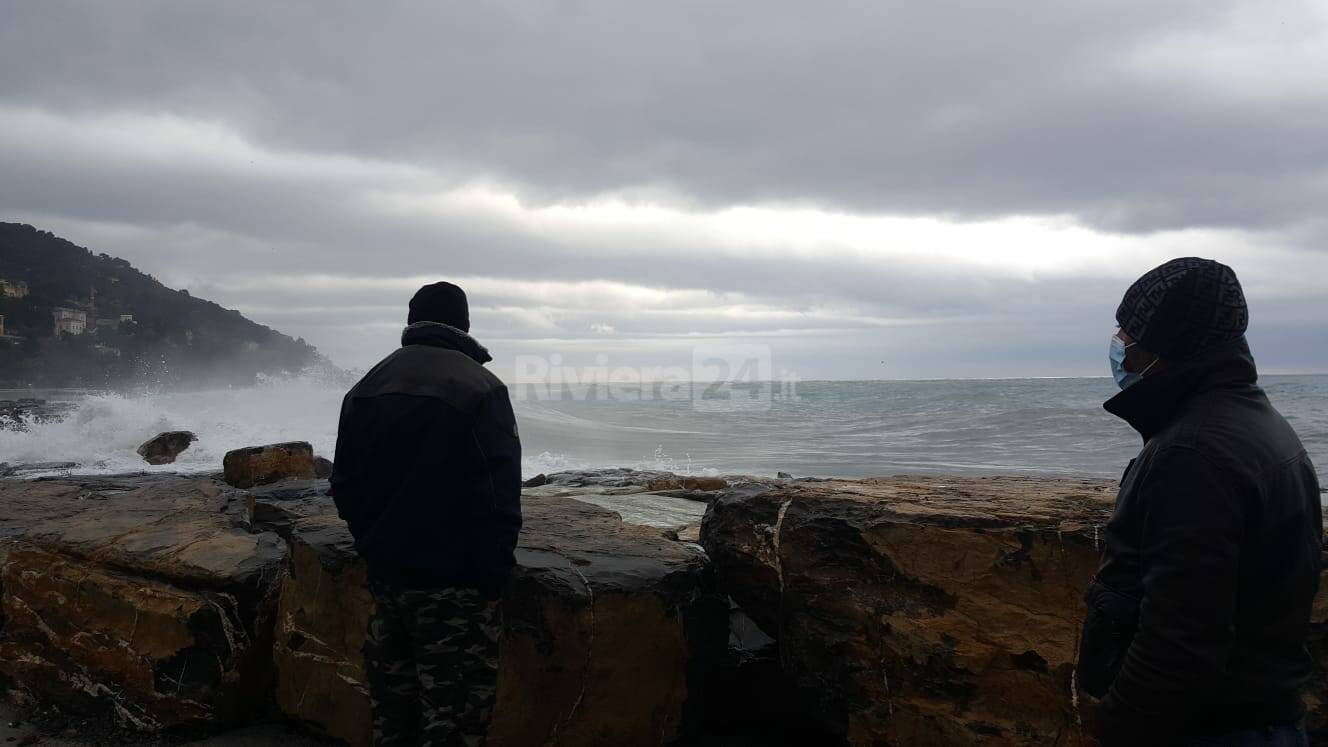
(440, 302)
(1183, 307)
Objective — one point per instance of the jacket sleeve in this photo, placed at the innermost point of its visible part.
(343, 481)
(1193, 527)
(499, 445)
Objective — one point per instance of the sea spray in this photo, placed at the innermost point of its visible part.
(104, 430)
(850, 429)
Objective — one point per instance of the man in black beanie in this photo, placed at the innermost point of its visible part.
(1197, 619)
(428, 477)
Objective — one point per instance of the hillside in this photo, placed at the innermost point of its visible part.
(75, 318)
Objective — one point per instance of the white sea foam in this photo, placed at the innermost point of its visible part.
(1052, 427)
(101, 435)
(103, 432)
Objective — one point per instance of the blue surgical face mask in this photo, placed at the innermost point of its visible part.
(1124, 379)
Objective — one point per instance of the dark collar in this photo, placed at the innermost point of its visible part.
(1152, 404)
(439, 335)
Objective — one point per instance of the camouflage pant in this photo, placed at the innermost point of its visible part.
(431, 657)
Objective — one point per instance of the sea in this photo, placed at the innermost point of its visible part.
(1045, 426)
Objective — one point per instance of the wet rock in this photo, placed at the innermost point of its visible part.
(647, 509)
(163, 448)
(536, 481)
(27, 503)
(260, 465)
(148, 603)
(920, 611)
(608, 631)
(674, 482)
(322, 467)
(611, 477)
(783, 476)
(18, 470)
(322, 616)
(276, 507)
(698, 496)
(551, 490)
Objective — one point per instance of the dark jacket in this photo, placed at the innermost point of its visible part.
(1198, 616)
(428, 465)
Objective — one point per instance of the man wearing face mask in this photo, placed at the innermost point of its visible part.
(1197, 619)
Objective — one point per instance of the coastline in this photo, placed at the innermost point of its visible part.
(901, 609)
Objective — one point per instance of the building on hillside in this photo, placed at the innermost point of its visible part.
(2, 325)
(70, 321)
(126, 318)
(13, 288)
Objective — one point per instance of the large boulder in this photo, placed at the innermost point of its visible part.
(920, 610)
(608, 628)
(25, 504)
(261, 465)
(163, 448)
(148, 603)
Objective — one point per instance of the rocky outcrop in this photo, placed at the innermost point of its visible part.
(262, 465)
(25, 504)
(163, 448)
(608, 628)
(145, 601)
(920, 610)
(888, 611)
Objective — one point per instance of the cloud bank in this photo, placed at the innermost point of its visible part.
(952, 189)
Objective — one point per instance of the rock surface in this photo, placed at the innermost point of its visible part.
(163, 448)
(261, 465)
(898, 610)
(28, 468)
(920, 611)
(141, 599)
(619, 477)
(688, 483)
(607, 628)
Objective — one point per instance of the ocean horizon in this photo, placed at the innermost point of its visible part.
(1052, 426)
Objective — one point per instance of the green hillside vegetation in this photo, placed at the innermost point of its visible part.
(173, 338)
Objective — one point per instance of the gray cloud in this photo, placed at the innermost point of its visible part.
(956, 108)
(246, 151)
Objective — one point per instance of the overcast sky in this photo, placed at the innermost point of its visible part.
(872, 189)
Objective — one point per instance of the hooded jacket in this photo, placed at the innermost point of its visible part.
(428, 465)
(1197, 618)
